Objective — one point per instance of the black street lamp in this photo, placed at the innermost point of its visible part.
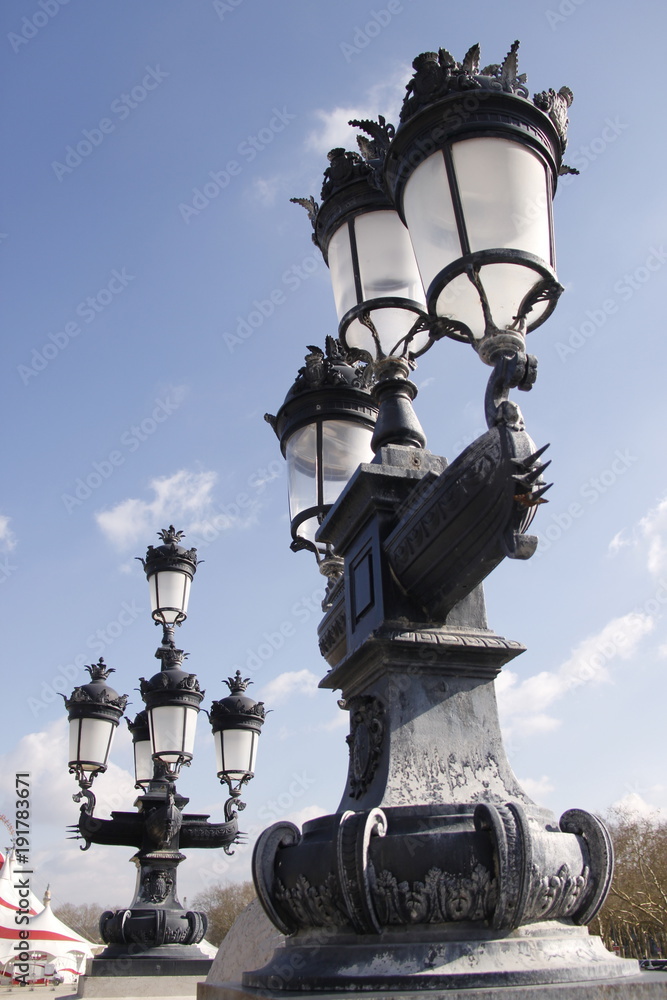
(169, 570)
(93, 711)
(236, 722)
(156, 935)
(437, 871)
(325, 428)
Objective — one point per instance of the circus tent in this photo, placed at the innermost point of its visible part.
(51, 944)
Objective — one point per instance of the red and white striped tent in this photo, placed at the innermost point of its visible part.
(51, 943)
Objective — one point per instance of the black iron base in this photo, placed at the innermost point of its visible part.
(640, 987)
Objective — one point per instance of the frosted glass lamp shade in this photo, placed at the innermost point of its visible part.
(321, 457)
(170, 594)
(143, 762)
(172, 729)
(235, 753)
(169, 569)
(236, 722)
(325, 428)
(374, 275)
(479, 215)
(90, 742)
(93, 711)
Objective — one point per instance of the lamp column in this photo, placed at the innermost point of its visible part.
(437, 871)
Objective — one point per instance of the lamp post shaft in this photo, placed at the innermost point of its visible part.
(435, 853)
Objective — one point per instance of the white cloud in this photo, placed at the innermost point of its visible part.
(650, 533)
(341, 720)
(7, 537)
(183, 499)
(537, 788)
(522, 704)
(618, 542)
(653, 528)
(265, 189)
(303, 815)
(634, 806)
(284, 686)
(334, 131)
(44, 756)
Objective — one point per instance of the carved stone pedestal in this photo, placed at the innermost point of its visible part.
(437, 872)
(642, 987)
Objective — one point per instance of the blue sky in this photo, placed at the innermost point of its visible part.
(134, 387)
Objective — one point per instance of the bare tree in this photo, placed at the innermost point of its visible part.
(222, 904)
(84, 919)
(633, 920)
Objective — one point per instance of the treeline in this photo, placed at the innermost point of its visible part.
(633, 920)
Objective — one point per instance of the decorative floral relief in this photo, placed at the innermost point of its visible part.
(313, 906)
(365, 742)
(556, 896)
(440, 898)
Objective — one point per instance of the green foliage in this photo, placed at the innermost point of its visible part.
(633, 920)
(222, 904)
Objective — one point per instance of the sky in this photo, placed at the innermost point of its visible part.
(160, 291)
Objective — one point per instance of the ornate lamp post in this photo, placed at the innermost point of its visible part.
(156, 934)
(325, 427)
(437, 871)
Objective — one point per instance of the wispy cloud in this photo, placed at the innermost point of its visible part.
(523, 704)
(7, 537)
(333, 129)
(184, 499)
(653, 528)
(266, 189)
(44, 755)
(537, 788)
(634, 806)
(648, 534)
(289, 684)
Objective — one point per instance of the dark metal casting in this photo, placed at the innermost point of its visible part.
(334, 384)
(237, 711)
(156, 934)
(170, 556)
(94, 700)
(437, 871)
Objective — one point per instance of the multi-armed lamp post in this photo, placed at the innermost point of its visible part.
(155, 933)
(437, 871)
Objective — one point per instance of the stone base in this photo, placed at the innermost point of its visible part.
(138, 986)
(467, 958)
(154, 975)
(645, 986)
